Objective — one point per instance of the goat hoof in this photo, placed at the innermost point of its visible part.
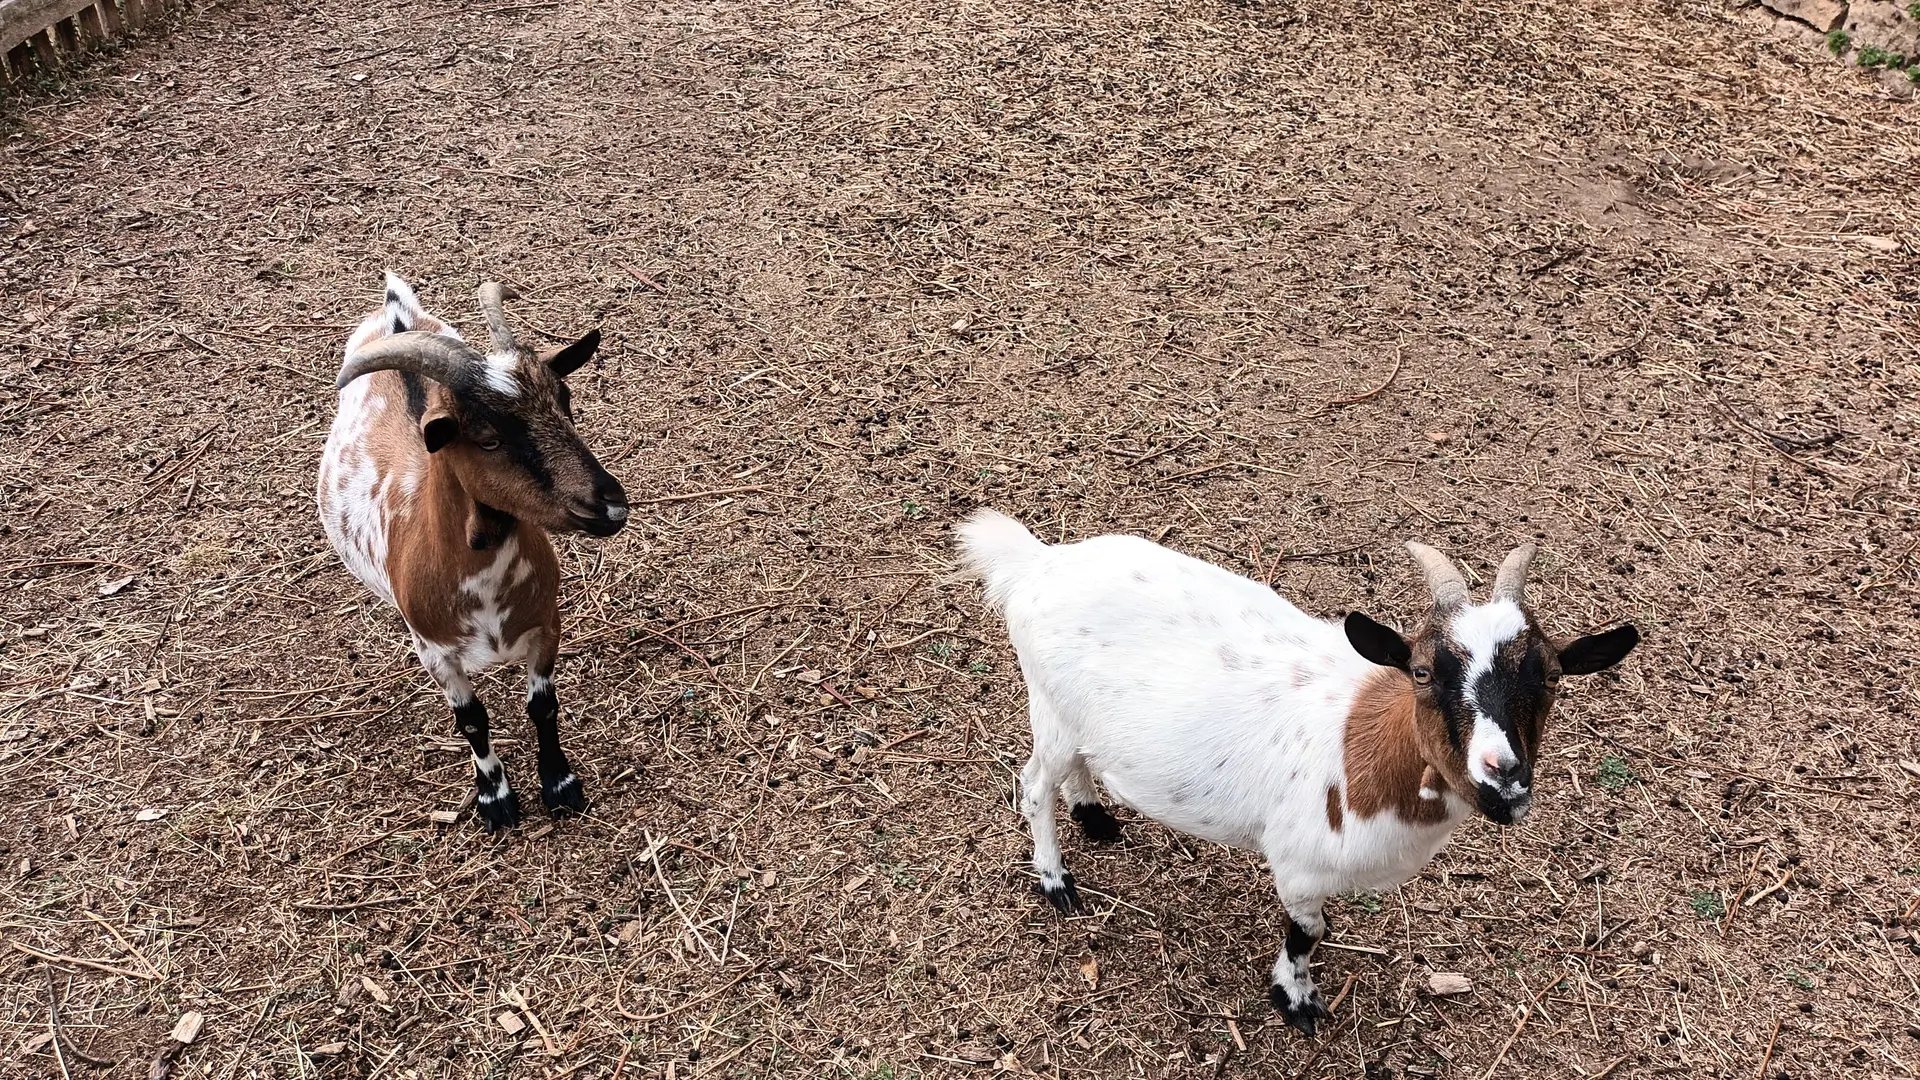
(1096, 824)
(564, 796)
(1063, 896)
(498, 811)
(1302, 1014)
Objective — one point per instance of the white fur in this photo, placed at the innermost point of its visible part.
(1482, 631)
(353, 493)
(503, 373)
(360, 497)
(1200, 699)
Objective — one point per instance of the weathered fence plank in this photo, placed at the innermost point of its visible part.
(38, 35)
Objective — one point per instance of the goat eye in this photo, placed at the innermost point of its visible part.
(1422, 676)
(490, 445)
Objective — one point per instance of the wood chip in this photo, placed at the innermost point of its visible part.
(1912, 767)
(112, 588)
(375, 990)
(976, 1053)
(1448, 983)
(152, 813)
(1090, 971)
(188, 1028)
(511, 1023)
(444, 817)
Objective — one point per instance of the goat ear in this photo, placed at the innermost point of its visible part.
(439, 429)
(1598, 652)
(568, 360)
(1381, 644)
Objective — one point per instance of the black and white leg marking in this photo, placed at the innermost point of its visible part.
(1039, 782)
(1292, 991)
(494, 799)
(560, 789)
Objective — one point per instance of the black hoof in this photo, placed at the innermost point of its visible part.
(1303, 1014)
(564, 796)
(1096, 824)
(1064, 897)
(498, 812)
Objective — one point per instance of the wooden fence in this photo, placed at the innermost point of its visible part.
(37, 36)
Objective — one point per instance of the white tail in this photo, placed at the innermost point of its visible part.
(402, 308)
(997, 548)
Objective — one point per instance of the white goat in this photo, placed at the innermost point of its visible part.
(1346, 755)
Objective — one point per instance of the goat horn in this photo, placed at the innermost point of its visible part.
(442, 359)
(1448, 587)
(492, 293)
(1511, 582)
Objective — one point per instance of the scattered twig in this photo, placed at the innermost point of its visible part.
(652, 854)
(1399, 357)
(1525, 1014)
(1767, 1059)
(1729, 770)
(642, 278)
(79, 961)
(683, 1006)
(698, 495)
(59, 1034)
(313, 905)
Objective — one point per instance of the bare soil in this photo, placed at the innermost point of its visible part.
(1632, 279)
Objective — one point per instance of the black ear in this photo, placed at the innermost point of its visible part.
(568, 360)
(1598, 652)
(1381, 644)
(438, 431)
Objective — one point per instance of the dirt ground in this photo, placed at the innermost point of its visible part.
(1640, 282)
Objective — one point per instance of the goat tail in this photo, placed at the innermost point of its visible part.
(402, 308)
(998, 550)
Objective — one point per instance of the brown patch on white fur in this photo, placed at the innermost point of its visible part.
(1336, 817)
(1393, 740)
(430, 558)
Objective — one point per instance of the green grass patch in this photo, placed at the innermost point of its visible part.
(1614, 773)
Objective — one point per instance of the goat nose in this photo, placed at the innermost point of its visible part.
(613, 497)
(1507, 770)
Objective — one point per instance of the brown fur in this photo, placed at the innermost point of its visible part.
(512, 490)
(432, 552)
(1336, 817)
(429, 558)
(1392, 740)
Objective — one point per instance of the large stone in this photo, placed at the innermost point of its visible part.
(1823, 15)
(1876, 24)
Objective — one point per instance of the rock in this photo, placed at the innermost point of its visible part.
(1898, 83)
(1886, 27)
(1823, 15)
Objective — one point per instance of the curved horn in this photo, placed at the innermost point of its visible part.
(1511, 582)
(1443, 580)
(492, 293)
(432, 356)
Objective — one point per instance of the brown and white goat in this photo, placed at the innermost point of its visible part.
(445, 468)
(1345, 754)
